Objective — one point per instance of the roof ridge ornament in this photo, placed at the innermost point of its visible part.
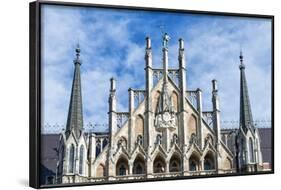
(77, 59)
(242, 66)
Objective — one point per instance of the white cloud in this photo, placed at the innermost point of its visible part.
(110, 48)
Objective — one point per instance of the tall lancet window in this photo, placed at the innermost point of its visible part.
(81, 159)
(251, 150)
(71, 159)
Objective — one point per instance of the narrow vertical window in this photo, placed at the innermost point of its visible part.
(71, 159)
(81, 159)
(251, 150)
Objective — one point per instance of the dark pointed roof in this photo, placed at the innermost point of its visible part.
(75, 112)
(246, 118)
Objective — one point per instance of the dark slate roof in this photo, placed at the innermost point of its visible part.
(49, 155)
(266, 144)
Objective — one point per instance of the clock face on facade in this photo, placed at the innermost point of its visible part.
(166, 117)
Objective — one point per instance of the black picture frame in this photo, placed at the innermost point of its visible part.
(35, 88)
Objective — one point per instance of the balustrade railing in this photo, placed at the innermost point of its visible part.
(122, 117)
(192, 97)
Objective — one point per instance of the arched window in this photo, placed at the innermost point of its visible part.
(139, 165)
(207, 165)
(175, 101)
(193, 162)
(139, 125)
(175, 164)
(98, 147)
(159, 165)
(122, 170)
(105, 142)
(100, 171)
(251, 150)
(209, 161)
(192, 165)
(122, 166)
(81, 159)
(139, 140)
(192, 125)
(71, 159)
(158, 139)
(139, 169)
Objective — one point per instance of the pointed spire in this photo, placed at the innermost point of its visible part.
(242, 66)
(77, 59)
(246, 118)
(75, 112)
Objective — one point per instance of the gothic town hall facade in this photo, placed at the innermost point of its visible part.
(165, 133)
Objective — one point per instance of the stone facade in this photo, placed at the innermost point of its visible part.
(165, 132)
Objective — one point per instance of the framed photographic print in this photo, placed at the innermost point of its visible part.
(130, 94)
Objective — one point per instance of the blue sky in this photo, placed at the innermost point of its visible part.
(112, 44)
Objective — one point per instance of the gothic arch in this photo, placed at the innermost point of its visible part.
(175, 163)
(100, 171)
(139, 165)
(98, 147)
(159, 164)
(192, 125)
(194, 162)
(175, 100)
(139, 128)
(209, 161)
(122, 166)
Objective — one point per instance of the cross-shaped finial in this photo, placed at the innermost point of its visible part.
(162, 27)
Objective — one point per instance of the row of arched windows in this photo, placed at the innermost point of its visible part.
(71, 159)
(159, 165)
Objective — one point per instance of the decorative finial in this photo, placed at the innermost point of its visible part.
(78, 49)
(242, 66)
(77, 59)
(241, 56)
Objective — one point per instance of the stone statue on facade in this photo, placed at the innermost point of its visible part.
(166, 39)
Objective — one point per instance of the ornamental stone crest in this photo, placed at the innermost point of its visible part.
(165, 116)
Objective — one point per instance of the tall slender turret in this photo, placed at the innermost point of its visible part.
(112, 111)
(246, 118)
(182, 85)
(248, 153)
(75, 112)
(148, 103)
